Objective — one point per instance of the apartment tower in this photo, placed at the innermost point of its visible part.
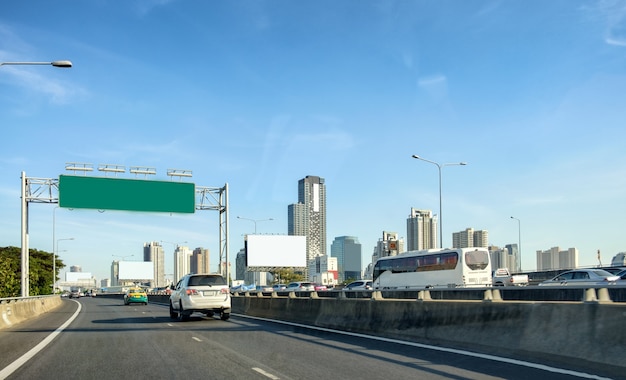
(421, 230)
(153, 252)
(308, 216)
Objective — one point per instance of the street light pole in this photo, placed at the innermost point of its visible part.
(519, 243)
(54, 261)
(123, 257)
(255, 221)
(24, 280)
(439, 166)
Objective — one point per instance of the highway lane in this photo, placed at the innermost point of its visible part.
(110, 340)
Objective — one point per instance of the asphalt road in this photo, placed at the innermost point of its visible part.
(108, 340)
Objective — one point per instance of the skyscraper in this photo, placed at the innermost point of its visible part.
(200, 260)
(182, 262)
(421, 230)
(308, 216)
(153, 252)
(347, 250)
(470, 238)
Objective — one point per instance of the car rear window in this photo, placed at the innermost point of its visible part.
(206, 280)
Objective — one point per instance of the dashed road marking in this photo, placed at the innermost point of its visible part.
(265, 373)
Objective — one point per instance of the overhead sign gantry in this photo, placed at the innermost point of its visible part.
(111, 193)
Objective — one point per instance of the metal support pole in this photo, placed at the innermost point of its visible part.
(24, 264)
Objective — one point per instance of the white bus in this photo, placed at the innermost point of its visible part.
(434, 268)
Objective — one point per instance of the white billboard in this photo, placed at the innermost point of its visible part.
(276, 251)
(135, 270)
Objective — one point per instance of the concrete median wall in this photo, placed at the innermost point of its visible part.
(16, 310)
(590, 331)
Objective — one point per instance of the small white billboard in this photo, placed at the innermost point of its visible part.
(276, 251)
(135, 270)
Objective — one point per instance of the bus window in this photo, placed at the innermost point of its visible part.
(449, 260)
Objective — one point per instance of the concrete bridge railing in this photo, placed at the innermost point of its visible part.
(16, 310)
(590, 329)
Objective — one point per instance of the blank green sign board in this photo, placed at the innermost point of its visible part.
(126, 194)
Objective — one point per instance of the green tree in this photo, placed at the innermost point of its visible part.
(286, 275)
(40, 272)
(10, 273)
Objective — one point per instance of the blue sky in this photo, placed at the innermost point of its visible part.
(259, 94)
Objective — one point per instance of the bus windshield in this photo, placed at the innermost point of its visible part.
(476, 260)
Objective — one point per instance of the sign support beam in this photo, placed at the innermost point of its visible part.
(46, 190)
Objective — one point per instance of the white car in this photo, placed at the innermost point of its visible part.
(203, 293)
(582, 277)
(359, 285)
(300, 287)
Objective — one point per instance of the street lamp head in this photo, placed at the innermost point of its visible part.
(62, 64)
(463, 163)
(416, 156)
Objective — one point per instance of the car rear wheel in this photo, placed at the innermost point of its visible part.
(225, 316)
(173, 313)
(184, 315)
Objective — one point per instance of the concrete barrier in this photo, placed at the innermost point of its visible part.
(16, 310)
(586, 330)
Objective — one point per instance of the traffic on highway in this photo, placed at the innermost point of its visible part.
(101, 337)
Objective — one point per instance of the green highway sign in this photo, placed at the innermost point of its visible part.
(103, 193)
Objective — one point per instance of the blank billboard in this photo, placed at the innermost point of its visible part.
(136, 270)
(276, 251)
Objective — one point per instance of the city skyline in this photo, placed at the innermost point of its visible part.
(528, 94)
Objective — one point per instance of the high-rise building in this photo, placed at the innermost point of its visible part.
(154, 252)
(240, 264)
(421, 230)
(308, 216)
(182, 262)
(200, 260)
(470, 238)
(325, 271)
(506, 257)
(554, 258)
(389, 245)
(347, 250)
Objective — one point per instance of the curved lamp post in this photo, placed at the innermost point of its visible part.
(255, 221)
(54, 262)
(439, 166)
(24, 282)
(62, 64)
(123, 257)
(519, 242)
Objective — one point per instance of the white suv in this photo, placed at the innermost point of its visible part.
(204, 293)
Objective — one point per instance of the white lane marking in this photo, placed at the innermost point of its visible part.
(266, 374)
(196, 339)
(541, 367)
(8, 370)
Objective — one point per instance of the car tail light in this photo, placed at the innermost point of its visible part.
(224, 291)
(191, 292)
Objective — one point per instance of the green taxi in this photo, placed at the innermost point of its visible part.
(135, 295)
